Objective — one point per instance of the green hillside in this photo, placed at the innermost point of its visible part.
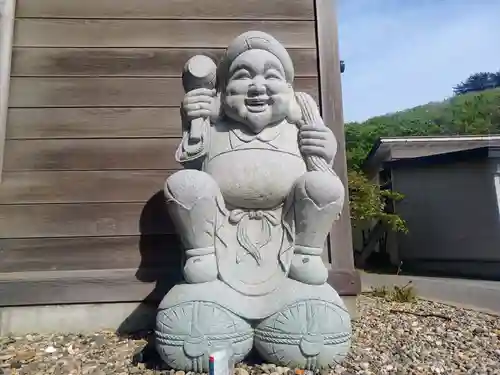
(473, 113)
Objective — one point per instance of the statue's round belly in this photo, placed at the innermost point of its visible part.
(255, 178)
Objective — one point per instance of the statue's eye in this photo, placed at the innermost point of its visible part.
(242, 74)
(273, 76)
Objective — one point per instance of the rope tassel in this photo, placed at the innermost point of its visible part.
(242, 218)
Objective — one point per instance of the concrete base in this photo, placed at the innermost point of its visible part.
(476, 295)
(124, 317)
(121, 317)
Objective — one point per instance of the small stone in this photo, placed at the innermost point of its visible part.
(180, 373)
(365, 365)
(141, 366)
(478, 331)
(7, 340)
(99, 340)
(16, 365)
(138, 356)
(50, 349)
(25, 355)
(6, 357)
(87, 370)
(240, 371)
(268, 368)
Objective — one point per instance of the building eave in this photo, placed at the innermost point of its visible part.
(381, 151)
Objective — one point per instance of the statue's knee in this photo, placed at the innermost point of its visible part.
(321, 187)
(189, 185)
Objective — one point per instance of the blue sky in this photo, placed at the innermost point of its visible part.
(403, 53)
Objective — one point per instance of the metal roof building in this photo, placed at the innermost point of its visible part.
(452, 202)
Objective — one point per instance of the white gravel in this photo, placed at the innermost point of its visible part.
(422, 338)
(438, 339)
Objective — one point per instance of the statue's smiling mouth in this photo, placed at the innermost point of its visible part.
(258, 103)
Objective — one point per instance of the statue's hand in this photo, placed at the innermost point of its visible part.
(201, 103)
(317, 141)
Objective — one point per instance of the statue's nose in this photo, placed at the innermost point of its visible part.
(258, 87)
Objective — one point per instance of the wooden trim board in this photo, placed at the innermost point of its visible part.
(6, 38)
(341, 248)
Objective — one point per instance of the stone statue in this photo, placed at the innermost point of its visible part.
(253, 208)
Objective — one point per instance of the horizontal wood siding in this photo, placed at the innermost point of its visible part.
(154, 33)
(142, 62)
(93, 124)
(112, 285)
(38, 187)
(90, 154)
(108, 92)
(169, 9)
(92, 253)
(84, 286)
(76, 123)
(77, 220)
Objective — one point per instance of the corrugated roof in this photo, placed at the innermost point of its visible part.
(396, 148)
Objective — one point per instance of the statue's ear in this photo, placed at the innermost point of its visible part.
(294, 111)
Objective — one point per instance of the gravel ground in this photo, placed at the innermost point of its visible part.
(390, 338)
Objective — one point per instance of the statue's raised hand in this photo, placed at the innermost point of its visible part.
(201, 103)
(317, 141)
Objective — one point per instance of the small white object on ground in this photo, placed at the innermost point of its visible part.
(50, 349)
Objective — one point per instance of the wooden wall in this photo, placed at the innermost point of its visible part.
(93, 123)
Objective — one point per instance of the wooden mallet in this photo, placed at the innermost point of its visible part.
(199, 72)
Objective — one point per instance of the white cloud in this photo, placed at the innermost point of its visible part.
(399, 55)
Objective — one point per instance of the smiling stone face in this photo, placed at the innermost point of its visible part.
(257, 93)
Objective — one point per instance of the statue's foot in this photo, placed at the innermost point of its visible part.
(188, 332)
(310, 334)
(308, 267)
(201, 266)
